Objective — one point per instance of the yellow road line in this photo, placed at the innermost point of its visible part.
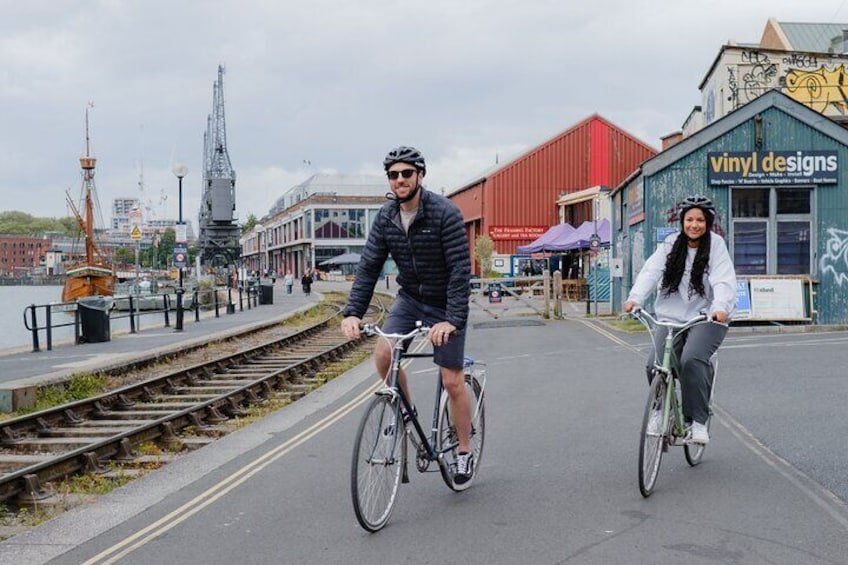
(201, 501)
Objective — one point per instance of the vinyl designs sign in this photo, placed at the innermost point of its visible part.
(772, 167)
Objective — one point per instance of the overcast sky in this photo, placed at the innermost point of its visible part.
(319, 85)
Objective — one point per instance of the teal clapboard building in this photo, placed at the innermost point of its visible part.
(777, 172)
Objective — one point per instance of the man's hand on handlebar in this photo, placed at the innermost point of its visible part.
(351, 327)
(441, 332)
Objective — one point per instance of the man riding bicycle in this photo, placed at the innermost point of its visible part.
(425, 235)
(691, 272)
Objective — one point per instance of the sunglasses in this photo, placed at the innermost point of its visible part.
(406, 173)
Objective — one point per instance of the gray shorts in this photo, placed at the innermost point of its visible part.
(406, 311)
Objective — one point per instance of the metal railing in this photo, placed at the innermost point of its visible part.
(41, 318)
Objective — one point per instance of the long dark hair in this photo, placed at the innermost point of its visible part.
(675, 261)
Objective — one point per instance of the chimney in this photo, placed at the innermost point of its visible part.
(671, 139)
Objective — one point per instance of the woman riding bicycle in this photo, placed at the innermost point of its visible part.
(691, 272)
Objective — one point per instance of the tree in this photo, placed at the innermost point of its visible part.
(249, 223)
(484, 247)
(166, 246)
(125, 256)
(20, 223)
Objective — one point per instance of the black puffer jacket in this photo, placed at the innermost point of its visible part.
(433, 259)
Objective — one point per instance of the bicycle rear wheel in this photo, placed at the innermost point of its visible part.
(448, 439)
(376, 467)
(651, 445)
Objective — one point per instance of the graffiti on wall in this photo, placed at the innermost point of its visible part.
(760, 76)
(835, 259)
(820, 82)
(820, 89)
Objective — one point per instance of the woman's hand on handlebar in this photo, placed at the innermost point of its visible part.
(720, 316)
(630, 305)
(351, 327)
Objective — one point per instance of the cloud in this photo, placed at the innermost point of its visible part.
(338, 84)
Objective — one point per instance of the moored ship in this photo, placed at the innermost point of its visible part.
(93, 275)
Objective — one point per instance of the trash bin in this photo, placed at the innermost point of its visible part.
(94, 319)
(266, 293)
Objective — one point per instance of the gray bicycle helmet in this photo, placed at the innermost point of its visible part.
(404, 154)
(698, 201)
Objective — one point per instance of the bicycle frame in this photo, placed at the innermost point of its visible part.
(392, 388)
(670, 368)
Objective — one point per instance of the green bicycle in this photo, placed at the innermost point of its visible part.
(664, 399)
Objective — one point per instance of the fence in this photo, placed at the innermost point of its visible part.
(39, 318)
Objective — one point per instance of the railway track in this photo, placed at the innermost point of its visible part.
(102, 432)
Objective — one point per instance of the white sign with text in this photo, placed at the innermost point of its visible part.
(777, 299)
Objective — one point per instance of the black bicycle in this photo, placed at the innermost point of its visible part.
(380, 451)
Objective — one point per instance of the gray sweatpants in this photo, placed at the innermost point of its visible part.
(694, 349)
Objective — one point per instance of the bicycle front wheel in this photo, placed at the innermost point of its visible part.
(448, 439)
(376, 467)
(651, 446)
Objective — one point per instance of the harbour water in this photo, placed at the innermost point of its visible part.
(16, 299)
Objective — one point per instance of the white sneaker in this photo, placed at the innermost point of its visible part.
(698, 434)
(655, 423)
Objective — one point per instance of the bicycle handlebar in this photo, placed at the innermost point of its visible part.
(374, 329)
(642, 315)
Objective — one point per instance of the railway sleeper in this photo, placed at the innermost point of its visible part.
(97, 423)
(160, 406)
(185, 395)
(54, 444)
(10, 462)
(229, 383)
(133, 414)
(204, 389)
(89, 431)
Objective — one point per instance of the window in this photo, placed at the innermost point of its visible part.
(772, 230)
(339, 223)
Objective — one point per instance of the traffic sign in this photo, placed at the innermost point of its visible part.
(136, 232)
(180, 255)
(594, 243)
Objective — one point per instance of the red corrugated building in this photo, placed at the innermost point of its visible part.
(515, 203)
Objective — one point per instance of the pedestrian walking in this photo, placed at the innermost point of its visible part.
(306, 282)
(289, 282)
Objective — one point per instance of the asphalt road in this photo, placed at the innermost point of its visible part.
(558, 482)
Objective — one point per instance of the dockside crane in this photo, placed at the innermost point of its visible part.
(218, 230)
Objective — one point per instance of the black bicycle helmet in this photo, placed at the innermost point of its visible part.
(404, 154)
(698, 201)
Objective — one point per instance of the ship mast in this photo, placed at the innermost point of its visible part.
(87, 163)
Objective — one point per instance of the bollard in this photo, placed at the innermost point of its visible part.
(132, 316)
(34, 326)
(48, 317)
(166, 300)
(196, 306)
(179, 326)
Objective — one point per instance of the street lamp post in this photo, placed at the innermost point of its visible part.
(180, 170)
(260, 230)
